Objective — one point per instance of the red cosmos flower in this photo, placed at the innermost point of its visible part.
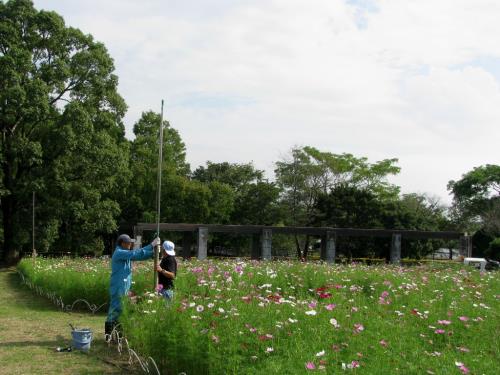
(265, 337)
(275, 298)
(324, 295)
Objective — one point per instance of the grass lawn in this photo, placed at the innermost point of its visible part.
(31, 328)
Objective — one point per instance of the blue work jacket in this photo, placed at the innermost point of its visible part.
(121, 271)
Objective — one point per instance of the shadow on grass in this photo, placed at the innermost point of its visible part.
(58, 342)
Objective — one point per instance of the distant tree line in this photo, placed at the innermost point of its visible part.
(63, 138)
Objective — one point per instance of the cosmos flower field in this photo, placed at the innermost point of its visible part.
(288, 317)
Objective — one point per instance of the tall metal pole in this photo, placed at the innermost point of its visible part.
(33, 251)
(158, 198)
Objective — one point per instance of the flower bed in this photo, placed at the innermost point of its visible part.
(231, 316)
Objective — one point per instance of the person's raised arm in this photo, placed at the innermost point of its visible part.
(139, 254)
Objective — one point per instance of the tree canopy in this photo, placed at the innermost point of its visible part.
(61, 124)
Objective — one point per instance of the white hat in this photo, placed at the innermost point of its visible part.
(169, 247)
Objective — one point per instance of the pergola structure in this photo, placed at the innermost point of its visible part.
(262, 237)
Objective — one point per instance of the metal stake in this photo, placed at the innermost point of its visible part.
(158, 198)
(33, 251)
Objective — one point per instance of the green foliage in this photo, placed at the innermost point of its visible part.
(493, 251)
(62, 134)
(309, 175)
(243, 197)
(255, 199)
(238, 176)
(476, 198)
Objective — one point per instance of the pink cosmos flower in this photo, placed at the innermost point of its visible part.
(383, 343)
(463, 318)
(310, 366)
(444, 322)
(312, 305)
(358, 327)
(159, 287)
(462, 367)
(354, 364)
(330, 306)
(439, 331)
(384, 294)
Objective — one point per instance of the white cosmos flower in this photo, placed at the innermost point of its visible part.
(311, 312)
(334, 323)
(320, 354)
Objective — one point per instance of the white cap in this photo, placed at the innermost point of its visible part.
(169, 247)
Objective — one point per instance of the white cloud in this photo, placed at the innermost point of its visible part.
(247, 80)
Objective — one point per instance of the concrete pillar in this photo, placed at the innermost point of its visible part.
(396, 248)
(202, 243)
(322, 251)
(330, 243)
(255, 252)
(187, 241)
(266, 240)
(466, 246)
(138, 238)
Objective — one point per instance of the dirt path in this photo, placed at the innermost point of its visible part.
(31, 328)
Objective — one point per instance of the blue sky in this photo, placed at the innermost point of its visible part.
(247, 80)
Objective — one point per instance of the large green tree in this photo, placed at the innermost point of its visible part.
(307, 174)
(476, 205)
(476, 198)
(139, 200)
(255, 198)
(61, 129)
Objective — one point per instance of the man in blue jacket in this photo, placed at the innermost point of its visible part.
(121, 275)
